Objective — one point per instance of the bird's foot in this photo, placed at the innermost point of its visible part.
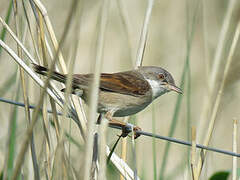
(128, 128)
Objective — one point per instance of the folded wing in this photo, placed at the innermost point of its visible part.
(124, 83)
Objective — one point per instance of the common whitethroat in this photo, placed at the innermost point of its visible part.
(122, 93)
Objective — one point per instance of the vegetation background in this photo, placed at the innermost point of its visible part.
(184, 37)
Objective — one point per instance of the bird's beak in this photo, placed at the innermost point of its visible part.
(175, 88)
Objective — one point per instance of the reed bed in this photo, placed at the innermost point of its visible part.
(55, 135)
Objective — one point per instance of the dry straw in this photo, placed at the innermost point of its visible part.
(94, 94)
(47, 45)
(212, 84)
(30, 72)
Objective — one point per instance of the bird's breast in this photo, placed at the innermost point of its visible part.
(122, 104)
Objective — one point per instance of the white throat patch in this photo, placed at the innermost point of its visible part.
(157, 90)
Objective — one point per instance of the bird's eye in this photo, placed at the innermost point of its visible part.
(161, 76)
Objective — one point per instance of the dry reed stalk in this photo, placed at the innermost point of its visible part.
(219, 96)
(30, 31)
(139, 60)
(68, 88)
(78, 107)
(53, 38)
(60, 142)
(7, 150)
(208, 99)
(46, 125)
(124, 153)
(134, 154)
(142, 44)
(94, 88)
(58, 131)
(28, 133)
(22, 64)
(127, 29)
(122, 166)
(25, 93)
(44, 61)
(234, 171)
(143, 37)
(102, 149)
(18, 41)
(28, 70)
(49, 26)
(124, 149)
(205, 38)
(193, 154)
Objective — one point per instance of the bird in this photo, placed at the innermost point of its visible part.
(122, 93)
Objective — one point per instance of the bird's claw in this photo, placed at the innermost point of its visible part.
(128, 128)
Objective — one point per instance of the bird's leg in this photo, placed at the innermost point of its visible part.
(126, 127)
(112, 121)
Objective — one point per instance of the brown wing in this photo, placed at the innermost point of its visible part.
(124, 83)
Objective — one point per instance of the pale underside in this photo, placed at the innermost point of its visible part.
(119, 105)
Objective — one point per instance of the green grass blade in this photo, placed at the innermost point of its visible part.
(154, 143)
(12, 137)
(188, 106)
(6, 86)
(74, 141)
(179, 99)
(173, 125)
(7, 19)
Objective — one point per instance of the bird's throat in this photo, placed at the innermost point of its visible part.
(157, 89)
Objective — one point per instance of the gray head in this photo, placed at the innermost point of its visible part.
(159, 79)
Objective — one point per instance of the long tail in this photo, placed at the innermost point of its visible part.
(44, 71)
